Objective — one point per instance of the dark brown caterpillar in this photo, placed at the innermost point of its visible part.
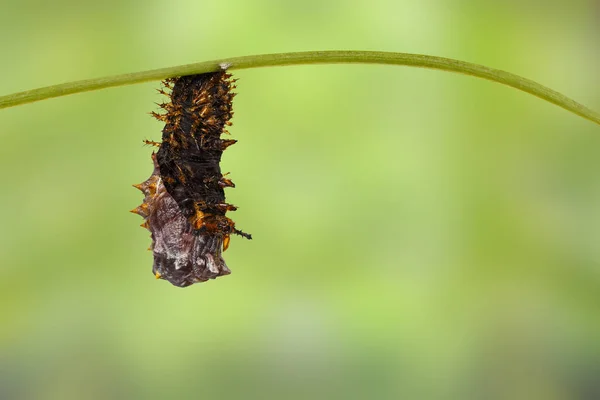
(185, 203)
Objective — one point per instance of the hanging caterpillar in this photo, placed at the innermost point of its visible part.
(184, 206)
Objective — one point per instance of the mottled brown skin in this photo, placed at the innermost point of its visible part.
(191, 150)
(185, 202)
(181, 255)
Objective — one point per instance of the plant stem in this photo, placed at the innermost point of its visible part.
(312, 57)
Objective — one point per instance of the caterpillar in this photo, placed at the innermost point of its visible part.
(184, 205)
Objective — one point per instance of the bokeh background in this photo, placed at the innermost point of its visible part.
(417, 234)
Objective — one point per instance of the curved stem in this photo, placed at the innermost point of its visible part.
(311, 57)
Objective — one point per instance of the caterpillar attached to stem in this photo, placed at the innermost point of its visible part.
(184, 205)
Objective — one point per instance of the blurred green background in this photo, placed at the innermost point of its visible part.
(417, 234)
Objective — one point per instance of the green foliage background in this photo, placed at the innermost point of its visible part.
(417, 234)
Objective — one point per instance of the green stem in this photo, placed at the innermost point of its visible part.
(312, 57)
